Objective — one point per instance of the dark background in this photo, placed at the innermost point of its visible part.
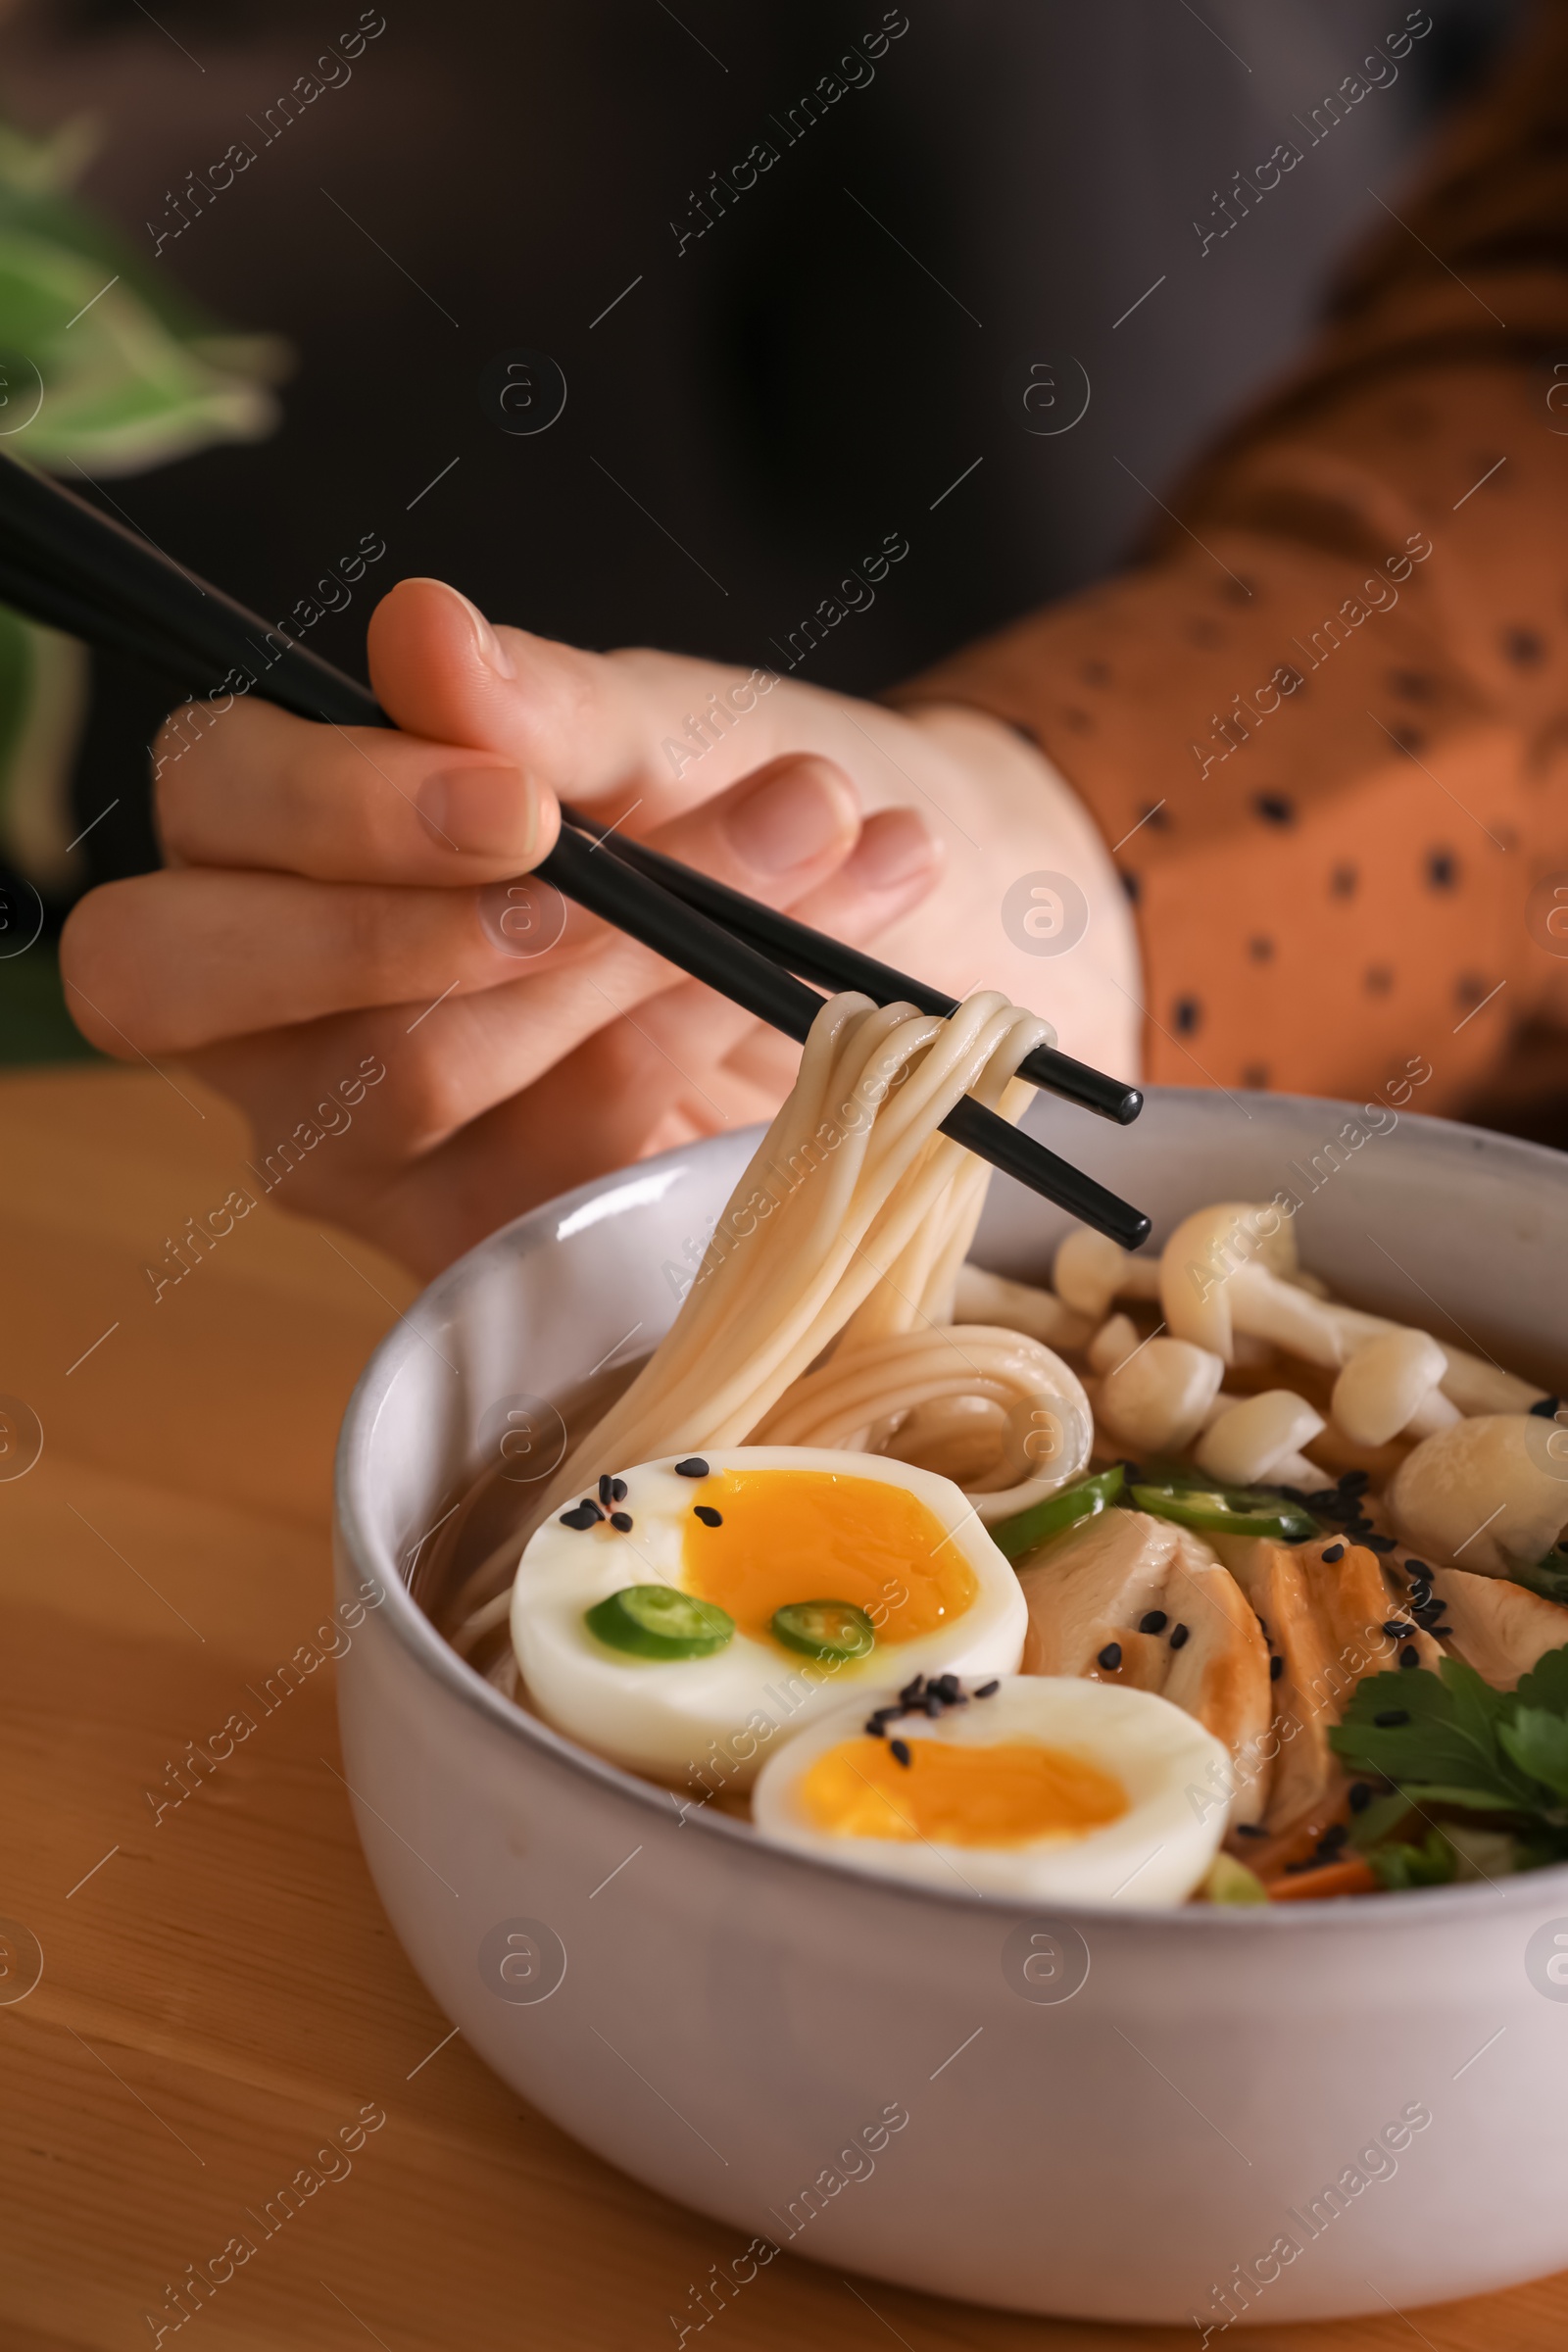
(801, 380)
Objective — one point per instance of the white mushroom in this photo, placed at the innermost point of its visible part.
(1434, 1413)
(1113, 1344)
(1472, 1383)
(1086, 1270)
(1387, 1380)
(1090, 1270)
(1490, 1494)
(1202, 1256)
(1475, 1386)
(1155, 1398)
(1248, 1442)
(982, 1298)
(1263, 1306)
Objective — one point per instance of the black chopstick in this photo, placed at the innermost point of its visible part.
(73, 567)
(833, 966)
(648, 912)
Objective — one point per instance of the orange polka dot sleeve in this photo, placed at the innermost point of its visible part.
(1331, 742)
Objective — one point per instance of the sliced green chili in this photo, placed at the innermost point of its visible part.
(1214, 1511)
(1085, 1498)
(659, 1621)
(824, 1628)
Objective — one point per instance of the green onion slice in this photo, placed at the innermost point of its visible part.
(1085, 1498)
(659, 1621)
(824, 1628)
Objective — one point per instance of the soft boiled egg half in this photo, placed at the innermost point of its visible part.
(1043, 1787)
(688, 1616)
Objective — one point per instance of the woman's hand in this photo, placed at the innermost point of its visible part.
(335, 899)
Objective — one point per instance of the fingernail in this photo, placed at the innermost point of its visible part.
(788, 820)
(894, 845)
(492, 653)
(487, 811)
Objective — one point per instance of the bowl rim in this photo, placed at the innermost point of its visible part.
(429, 1650)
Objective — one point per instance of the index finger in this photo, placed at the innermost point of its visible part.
(265, 788)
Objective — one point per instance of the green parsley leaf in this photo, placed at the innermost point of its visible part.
(1538, 1743)
(1450, 1739)
(1547, 1684)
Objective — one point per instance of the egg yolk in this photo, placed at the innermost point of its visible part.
(810, 1535)
(1015, 1792)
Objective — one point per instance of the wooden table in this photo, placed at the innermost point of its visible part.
(220, 1991)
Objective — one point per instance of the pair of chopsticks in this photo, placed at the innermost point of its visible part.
(68, 565)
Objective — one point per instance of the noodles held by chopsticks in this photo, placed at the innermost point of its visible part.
(846, 1231)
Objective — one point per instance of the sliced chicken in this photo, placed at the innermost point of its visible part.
(1358, 1601)
(1499, 1628)
(1305, 1769)
(1095, 1588)
(1221, 1672)
(1328, 1618)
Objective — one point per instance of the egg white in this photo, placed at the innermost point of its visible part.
(1156, 1854)
(717, 1717)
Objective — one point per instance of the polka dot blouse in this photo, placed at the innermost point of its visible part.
(1332, 741)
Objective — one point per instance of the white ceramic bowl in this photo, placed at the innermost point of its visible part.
(927, 2087)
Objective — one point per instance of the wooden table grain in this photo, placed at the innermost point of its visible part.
(221, 1994)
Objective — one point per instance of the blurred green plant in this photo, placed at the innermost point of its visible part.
(106, 367)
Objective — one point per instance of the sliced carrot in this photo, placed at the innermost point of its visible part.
(1354, 1877)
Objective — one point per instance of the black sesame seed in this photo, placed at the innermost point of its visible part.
(1360, 1795)
(1110, 1657)
(1409, 1655)
(604, 1494)
(1276, 1667)
(877, 1728)
(705, 1512)
(1417, 1570)
(988, 1691)
(1333, 1837)
(947, 1689)
(580, 1515)
(1396, 1629)
(1321, 1499)
(899, 1752)
(693, 1466)
(1391, 1718)
(1250, 1829)
(1354, 1482)
(588, 1504)
(933, 1702)
(618, 1489)
(1379, 1542)
(1153, 1621)
(1334, 1551)
(913, 1692)
(623, 1520)
(1545, 1408)
(1179, 1634)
